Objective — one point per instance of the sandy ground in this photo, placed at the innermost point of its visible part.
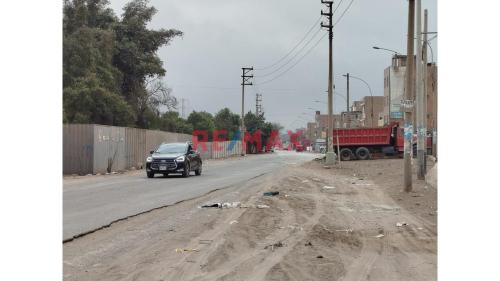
(346, 231)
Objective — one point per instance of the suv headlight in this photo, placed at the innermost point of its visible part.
(149, 159)
(180, 159)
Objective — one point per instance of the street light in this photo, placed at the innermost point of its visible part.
(385, 49)
(369, 88)
(397, 53)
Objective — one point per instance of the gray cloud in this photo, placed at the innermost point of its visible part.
(221, 36)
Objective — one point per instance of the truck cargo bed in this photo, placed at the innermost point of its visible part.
(363, 136)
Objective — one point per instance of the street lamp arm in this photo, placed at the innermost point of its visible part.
(366, 83)
(385, 49)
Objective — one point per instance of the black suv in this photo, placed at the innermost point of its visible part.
(173, 158)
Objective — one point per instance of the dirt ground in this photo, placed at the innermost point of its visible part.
(325, 224)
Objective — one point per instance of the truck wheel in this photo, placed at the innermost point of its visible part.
(346, 154)
(362, 153)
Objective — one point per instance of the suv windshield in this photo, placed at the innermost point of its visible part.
(171, 148)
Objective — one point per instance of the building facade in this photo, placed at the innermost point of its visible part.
(394, 89)
(371, 109)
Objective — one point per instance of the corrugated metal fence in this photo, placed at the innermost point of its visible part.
(91, 148)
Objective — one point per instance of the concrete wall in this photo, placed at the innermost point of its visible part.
(91, 148)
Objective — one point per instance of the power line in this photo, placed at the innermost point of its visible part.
(343, 13)
(340, 3)
(288, 69)
(293, 49)
(293, 57)
(299, 60)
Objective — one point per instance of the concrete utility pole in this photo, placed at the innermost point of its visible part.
(424, 107)
(245, 78)
(330, 155)
(347, 76)
(421, 132)
(407, 105)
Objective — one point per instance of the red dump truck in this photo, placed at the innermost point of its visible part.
(361, 143)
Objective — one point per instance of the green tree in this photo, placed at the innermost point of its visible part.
(170, 121)
(88, 102)
(136, 55)
(111, 72)
(203, 121)
(227, 120)
(253, 122)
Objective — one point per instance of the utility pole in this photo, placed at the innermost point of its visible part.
(245, 81)
(258, 104)
(330, 155)
(407, 106)
(420, 97)
(424, 103)
(347, 76)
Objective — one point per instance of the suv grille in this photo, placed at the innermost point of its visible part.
(169, 162)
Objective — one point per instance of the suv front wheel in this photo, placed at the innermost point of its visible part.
(198, 171)
(150, 175)
(187, 170)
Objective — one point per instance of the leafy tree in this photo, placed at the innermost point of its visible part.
(88, 102)
(254, 123)
(227, 120)
(203, 121)
(111, 72)
(136, 55)
(170, 121)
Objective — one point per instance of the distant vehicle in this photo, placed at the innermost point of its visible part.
(174, 158)
(299, 148)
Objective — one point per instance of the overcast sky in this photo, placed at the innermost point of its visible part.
(221, 36)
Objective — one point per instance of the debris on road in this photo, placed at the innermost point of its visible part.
(206, 241)
(380, 236)
(262, 206)
(304, 181)
(215, 205)
(271, 193)
(231, 205)
(277, 245)
(308, 244)
(222, 205)
(328, 187)
(233, 222)
(399, 224)
(319, 257)
(179, 250)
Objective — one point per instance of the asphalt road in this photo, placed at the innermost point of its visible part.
(95, 201)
